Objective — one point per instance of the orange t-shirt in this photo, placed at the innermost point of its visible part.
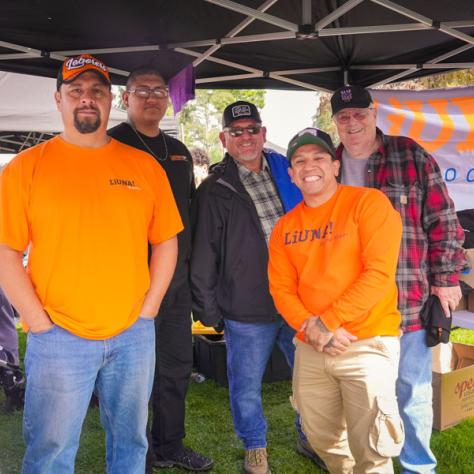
(338, 261)
(87, 215)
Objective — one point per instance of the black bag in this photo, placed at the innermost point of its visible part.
(466, 219)
(12, 380)
(437, 325)
(11, 377)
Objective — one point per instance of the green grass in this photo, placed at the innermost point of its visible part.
(466, 336)
(210, 431)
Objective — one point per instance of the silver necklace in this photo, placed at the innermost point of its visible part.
(148, 148)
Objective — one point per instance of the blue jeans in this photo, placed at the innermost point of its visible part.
(62, 372)
(249, 347)
(414, 394)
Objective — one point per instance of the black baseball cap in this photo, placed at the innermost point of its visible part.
(311, 136)
(240, 110)
(350, 97)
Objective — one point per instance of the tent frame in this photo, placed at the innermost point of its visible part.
(14, 142)
(304, 31)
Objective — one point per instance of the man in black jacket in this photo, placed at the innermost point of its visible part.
(232, 216)
(146, 100)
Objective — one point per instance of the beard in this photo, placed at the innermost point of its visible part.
(248, 155)
(87, 124)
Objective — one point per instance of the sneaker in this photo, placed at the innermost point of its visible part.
(303, 447)
(185, 458)
(256, 461)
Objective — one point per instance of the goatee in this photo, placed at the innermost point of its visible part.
(88, 124)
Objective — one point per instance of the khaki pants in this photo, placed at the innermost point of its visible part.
(348, 404)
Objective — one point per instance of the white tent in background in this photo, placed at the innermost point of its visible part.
(28, 112)
(27, 104)
(275, 147)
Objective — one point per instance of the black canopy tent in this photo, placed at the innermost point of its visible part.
(280, 44)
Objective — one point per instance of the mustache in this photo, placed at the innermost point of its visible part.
(87, 107)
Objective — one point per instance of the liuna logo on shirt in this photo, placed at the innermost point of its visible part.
(128, 183)
(323, 233)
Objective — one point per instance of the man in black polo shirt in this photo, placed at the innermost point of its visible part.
(146, 100)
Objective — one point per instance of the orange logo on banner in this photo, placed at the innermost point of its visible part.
(412, 110)
(467, 108)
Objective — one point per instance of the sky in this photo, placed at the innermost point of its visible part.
(287, 112)
(5, 158)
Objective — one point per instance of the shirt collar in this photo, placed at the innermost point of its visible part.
(245, 173)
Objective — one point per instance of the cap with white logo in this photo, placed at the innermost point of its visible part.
(350, 97)
(74, 66)
(240, 110)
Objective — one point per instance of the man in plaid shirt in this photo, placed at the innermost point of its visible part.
(430, 255)
(233, 213)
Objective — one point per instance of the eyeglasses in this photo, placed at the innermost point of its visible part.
(239, 131)
(359, 115)
(145, 92)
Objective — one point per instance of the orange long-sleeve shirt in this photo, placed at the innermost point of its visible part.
(338, 261)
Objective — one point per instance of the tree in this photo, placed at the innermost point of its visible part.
(200, 119)
(451, 79)
(323, 117)
(117, 97)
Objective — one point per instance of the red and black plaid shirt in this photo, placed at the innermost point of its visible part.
(431, 248)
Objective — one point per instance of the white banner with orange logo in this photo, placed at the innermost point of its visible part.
(442, 122)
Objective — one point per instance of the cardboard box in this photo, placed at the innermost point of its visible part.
(469, 277)
(210, 359)
(470, 301)
(462, 305)
(453, 392)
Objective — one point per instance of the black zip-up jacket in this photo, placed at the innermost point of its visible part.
(229, 253)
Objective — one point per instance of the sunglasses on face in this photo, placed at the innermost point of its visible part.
(239, 131)
(345, 117)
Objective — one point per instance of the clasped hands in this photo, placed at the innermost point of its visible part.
(323, 340)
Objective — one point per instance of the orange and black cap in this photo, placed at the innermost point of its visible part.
(74, 66)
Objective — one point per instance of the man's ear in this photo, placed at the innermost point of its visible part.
(125, 96)
(374, 109)
(337, 167)
(290, 172)
(264, 132)
(222, 138)
(57, 99)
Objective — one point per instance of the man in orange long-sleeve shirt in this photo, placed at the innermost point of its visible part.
(332, 277)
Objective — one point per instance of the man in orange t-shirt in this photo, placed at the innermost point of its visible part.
(86, 206)
(332, 277)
